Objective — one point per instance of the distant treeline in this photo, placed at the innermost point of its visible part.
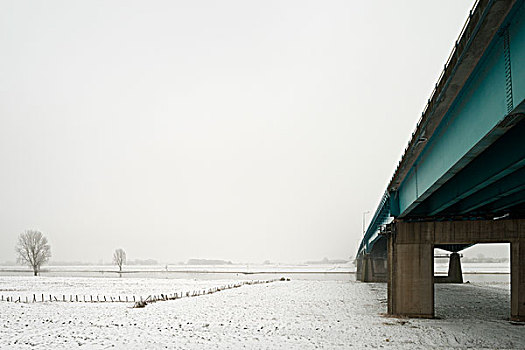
(208, 262)
(327, 261)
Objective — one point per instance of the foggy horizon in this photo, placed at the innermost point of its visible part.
(236, 130)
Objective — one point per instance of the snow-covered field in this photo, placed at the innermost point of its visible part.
(441, 266)
(86, 287)
(300, 314)
(166, 270)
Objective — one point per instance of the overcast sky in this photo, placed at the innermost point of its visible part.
(238, 130)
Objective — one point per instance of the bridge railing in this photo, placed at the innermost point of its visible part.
(381, 216)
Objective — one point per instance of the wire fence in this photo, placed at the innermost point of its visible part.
(139, 301)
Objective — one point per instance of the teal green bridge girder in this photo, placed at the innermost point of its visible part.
(466, 158)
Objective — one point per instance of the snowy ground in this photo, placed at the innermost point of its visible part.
(87, 287)
(441, 266)
(170, 271)
(300, 314)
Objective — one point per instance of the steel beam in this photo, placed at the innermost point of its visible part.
(504, 157)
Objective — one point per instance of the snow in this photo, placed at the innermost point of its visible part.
(310, 313)
(441, 266)
(110, 287)
(170, 271)
(133, 270)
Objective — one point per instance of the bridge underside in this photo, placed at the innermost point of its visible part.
(492, 184)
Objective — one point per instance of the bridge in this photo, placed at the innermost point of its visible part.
(461, 179)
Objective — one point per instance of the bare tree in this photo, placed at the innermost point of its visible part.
(119, 258)
(32, 249)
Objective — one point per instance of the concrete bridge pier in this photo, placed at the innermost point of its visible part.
(411, 263)
(517, 278)
(455, 274)
(372, 267)
(410, 273)
(359, 269)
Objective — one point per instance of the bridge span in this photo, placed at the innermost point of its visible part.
(461, 179)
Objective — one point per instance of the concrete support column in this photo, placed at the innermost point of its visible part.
(410, 271)
(373, 269)
(367, 274)
(359, 269)
(379, 269)
(455, 274)
(517, 279)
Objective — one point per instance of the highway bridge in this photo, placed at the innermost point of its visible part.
(461, 179)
